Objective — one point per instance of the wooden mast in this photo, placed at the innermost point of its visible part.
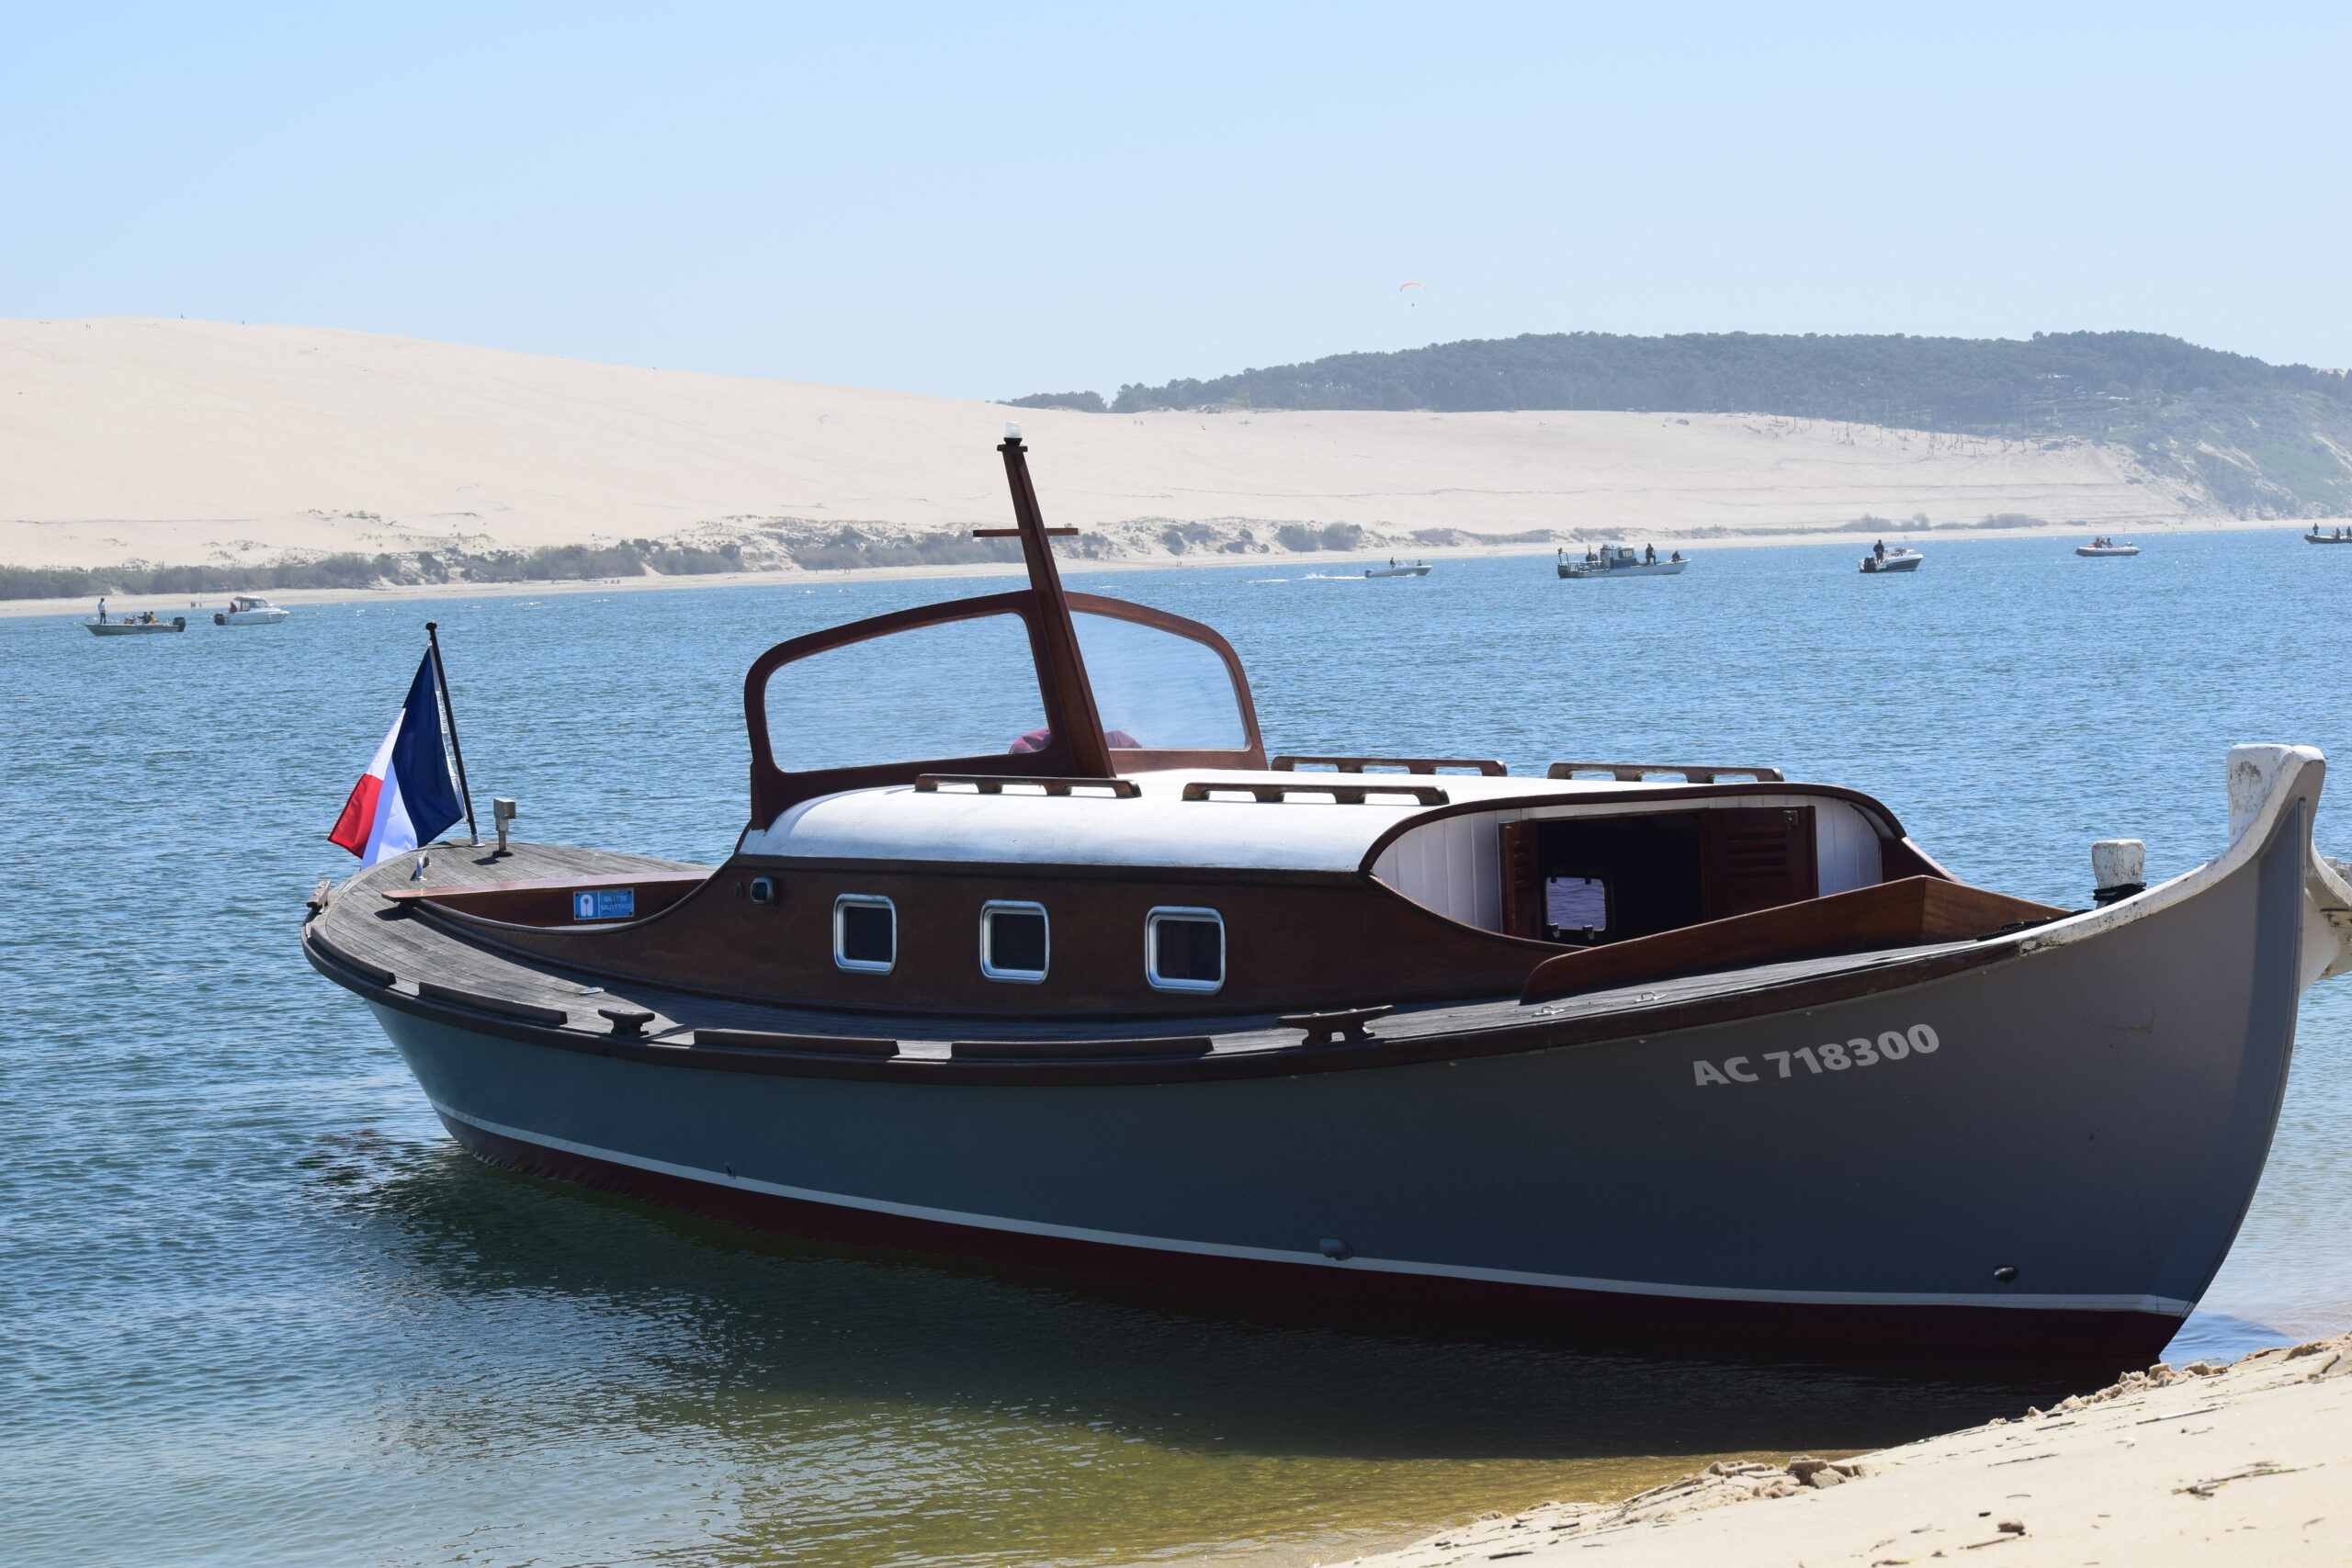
(1069, 697)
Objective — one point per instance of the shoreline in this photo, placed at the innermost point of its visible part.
(2185, 1466)
(1348, 561)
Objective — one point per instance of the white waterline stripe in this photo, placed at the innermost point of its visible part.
(2164, 1306)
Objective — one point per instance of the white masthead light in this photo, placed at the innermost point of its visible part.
(1012, 429)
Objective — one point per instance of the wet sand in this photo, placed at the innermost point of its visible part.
(2189, 1466)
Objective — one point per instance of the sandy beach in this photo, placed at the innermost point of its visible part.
(134, 440)
(2187, 1466)
(1344, 562)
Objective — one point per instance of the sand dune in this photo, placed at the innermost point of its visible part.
(184, 441)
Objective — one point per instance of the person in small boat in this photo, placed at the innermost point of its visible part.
(1878, 551)
(102, 612)
(1649, 555)
(1677, 555)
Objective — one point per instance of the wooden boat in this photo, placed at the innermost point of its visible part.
(249, 610)
(1626, 1049)
(1618, 560)
(2340, 536)
(1398, 569)
(145, 624)
(2106, 547)
(1900, 558)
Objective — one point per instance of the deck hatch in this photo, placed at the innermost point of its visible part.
(1015, 945)
(1183, 950)
(866, 933)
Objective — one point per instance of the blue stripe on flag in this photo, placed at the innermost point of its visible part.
(427, 793)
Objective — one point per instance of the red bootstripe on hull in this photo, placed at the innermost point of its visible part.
(2133, 1337)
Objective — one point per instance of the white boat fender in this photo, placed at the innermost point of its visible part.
(2118, 869)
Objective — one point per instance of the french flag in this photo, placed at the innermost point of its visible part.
(406, 797)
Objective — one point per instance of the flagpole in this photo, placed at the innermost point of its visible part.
(450, 716)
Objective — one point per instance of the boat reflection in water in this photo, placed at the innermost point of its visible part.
(1714, 1051)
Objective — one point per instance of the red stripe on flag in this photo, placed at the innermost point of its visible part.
(358, 817)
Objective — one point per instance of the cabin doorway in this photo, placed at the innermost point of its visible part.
(1585, 881)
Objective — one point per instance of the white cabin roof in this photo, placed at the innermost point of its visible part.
(1160, 828)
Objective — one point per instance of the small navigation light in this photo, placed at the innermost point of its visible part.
(1012, 429)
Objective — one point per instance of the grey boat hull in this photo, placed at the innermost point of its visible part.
(2062, 1173)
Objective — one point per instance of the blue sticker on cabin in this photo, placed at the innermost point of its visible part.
(605, 904)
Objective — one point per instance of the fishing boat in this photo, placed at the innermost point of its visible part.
(1398, 569)
(2104, 545)
(146, 624)
(2340, 536)
(1618, 560)
(1027, 952)
(248, 610)
(1900, 558)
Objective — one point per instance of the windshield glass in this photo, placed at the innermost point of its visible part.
(958, 689)
(1158, 690)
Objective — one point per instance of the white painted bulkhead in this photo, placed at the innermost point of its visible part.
(1454, 865)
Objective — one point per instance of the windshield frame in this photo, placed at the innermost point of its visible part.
(774, 790)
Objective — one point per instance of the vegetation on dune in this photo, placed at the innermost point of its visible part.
(1084, 402)
(849, 548)
(563, 563)
(2256, 439)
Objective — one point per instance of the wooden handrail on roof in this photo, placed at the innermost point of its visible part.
(1488, 767)
(993, 783)
(1346, 795)
(1635, 772)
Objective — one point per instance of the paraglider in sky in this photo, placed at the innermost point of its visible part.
(1402, 286)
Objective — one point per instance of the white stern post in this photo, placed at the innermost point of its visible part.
(2255, 774)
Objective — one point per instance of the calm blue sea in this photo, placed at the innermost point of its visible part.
(255, 1309)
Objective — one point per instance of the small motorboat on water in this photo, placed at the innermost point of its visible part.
(248, 610)
(1619, 560)
(1398, 569)
(2339, 537)
(1900, 558)
(1089, 984)
(2103, 546)
(144, 623)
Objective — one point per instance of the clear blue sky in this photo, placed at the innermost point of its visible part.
(989, 200)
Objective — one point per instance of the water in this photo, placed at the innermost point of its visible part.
(255, 1309)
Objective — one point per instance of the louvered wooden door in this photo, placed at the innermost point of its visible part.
(1755, 858)
(1522, 882)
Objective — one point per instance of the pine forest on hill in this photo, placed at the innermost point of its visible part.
(2258, 440)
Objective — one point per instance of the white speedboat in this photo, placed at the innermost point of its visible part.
(2106, 546)
(1897, 560)
(1398, 569)
(1619, 560)
(248, 610)
(136, 626)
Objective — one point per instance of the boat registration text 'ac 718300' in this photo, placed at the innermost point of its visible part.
(1862, 1050)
